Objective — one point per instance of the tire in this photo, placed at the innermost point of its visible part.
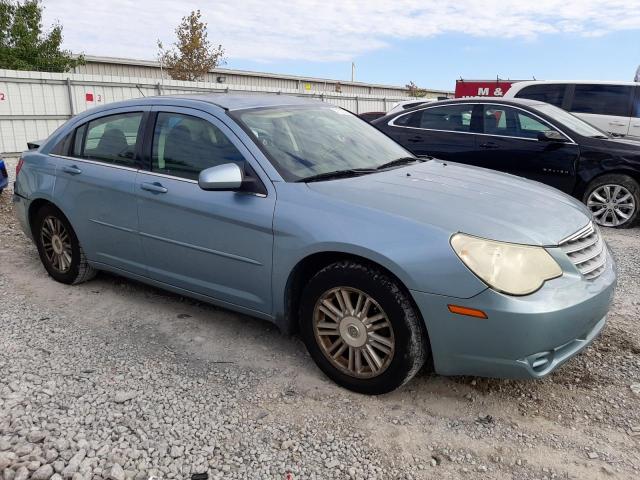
(614, 212)
(400, 326)
(74, 268)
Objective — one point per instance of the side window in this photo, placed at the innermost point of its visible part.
(602, 99)
(453, 118)
(552, 93)
(512, 122)
(110, 139)
(62, 147)
(183, 146)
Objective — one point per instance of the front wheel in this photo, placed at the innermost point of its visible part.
(361, 328)
(614, 200)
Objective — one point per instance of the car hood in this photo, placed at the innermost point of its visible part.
(460, 198)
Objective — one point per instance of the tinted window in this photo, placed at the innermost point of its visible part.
(454, 118)
(183, 146)
(602, 99)
(512, 122)
(547, 92)
(62, 147)
(109, 139)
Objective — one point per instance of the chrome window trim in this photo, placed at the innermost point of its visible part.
(391, 122)
(95, 162)
(170, 177)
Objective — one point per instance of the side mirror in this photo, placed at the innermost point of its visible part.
(228, 176)
(552, 136)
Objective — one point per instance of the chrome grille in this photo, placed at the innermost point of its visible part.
(587, 250)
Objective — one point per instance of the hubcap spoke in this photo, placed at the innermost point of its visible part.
(353, 332)
(56, 243)
(612, 205)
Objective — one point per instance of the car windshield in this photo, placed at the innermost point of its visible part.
(310, 141)
(570, 121)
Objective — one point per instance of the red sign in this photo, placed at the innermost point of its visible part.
(88, 97)
(482, 88)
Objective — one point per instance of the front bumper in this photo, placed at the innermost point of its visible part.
(523, 337)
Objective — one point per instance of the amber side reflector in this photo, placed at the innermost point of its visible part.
(469, 312)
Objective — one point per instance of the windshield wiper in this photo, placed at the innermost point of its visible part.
(401, 161)
(351, 172)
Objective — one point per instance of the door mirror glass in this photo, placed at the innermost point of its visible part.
(552, 136)
(227, 176)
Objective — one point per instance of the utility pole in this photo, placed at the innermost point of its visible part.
(353, 71)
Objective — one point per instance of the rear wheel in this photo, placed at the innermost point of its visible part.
(614, 200)
(361, 328)
(59, 249)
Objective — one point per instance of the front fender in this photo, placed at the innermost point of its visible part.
(419, 255)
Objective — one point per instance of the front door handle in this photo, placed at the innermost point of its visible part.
(73, 170)
(155, 187)
(618, 124)
(415, 139)
(489, 145)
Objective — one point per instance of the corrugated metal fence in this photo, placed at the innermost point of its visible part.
(33, 104)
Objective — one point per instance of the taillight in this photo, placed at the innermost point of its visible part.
(19, 166)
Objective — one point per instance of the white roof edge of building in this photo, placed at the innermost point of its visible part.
(155, 63)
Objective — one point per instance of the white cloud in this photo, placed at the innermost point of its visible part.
(326, 30)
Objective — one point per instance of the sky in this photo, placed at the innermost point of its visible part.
(431, 43)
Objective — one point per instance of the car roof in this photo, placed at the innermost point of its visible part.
(501, 100)
(526, 83)
(226, 101)
(234, 101)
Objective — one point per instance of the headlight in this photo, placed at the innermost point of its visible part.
(506, 267)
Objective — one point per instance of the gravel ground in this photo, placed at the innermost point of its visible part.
(116, 380)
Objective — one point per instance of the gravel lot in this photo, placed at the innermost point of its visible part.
(116, 380)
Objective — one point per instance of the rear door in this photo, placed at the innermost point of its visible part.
(634, 125)
(509, 143)
(94, 187)
(443, 131)
(214, 243)
(608, 107)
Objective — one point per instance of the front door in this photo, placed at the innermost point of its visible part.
(608, 107)
(214, 243)
(509, 143)
(95, 188)
(634, 126)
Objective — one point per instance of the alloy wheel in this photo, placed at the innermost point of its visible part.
(611, 205)
(57, 244)
(353, 332)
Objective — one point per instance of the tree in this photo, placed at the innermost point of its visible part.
(192, 55)
(24, 45)
(414, 90)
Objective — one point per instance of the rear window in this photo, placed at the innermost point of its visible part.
(552, 93)
(602, 100)
(110, 139)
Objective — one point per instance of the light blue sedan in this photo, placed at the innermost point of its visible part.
(300, 213)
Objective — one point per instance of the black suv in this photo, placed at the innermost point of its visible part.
(532, 139)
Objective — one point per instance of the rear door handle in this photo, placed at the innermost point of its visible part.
(618, 124)
(73, 170)
(153, 187)
(489, 145)
(415, 139)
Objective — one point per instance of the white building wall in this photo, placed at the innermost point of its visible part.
(34, 104)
